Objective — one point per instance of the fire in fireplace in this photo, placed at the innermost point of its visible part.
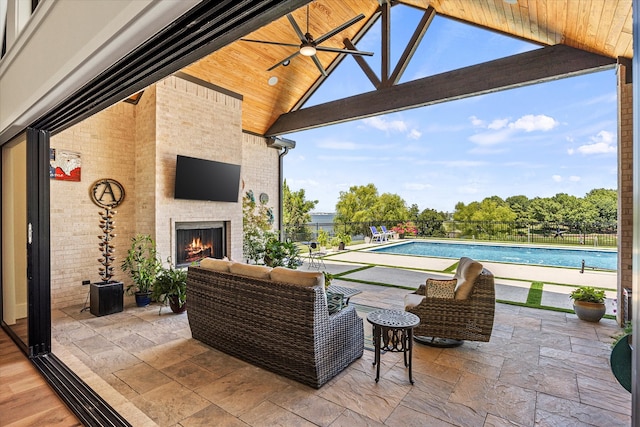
(195, 242)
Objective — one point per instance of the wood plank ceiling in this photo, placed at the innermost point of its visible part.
(603, 27)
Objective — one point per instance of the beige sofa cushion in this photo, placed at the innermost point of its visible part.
(297, 277)
(215, 264)
(249, 270)
(466, 274)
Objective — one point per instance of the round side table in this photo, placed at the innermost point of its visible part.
(393, 331)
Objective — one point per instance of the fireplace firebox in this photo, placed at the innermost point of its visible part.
(195, 241)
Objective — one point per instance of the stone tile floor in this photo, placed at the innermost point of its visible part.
(541, 368)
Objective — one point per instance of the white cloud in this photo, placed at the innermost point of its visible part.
(476, 121)
(556, 178)
(501, 130)
(414, 134)
(574, 178)
(530, 123)
(381, 123)
(603, 143)
(498, 124)
(491, 138)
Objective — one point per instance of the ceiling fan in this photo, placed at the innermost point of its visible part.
(309, 46)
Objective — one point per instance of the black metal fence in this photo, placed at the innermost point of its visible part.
(594, 234)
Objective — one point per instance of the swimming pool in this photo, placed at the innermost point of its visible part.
(555, 257)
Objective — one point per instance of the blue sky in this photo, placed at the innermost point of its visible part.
(539, 140)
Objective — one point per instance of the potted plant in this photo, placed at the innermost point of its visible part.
(171, 286)
(588, 303)
(281, 254)
(143, 266)
(323, 239)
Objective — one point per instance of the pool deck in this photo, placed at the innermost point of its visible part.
(512, 280)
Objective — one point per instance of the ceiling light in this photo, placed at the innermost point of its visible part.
(307, 50)
(285, 63)
(272, 80)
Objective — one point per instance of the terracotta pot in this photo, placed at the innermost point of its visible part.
(589, 311)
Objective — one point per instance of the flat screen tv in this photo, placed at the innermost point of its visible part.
(199, 179)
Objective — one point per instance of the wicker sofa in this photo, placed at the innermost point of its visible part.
(280, 324)
(467, 315)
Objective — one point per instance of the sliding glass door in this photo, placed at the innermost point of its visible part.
(15, 305)
(24, 240)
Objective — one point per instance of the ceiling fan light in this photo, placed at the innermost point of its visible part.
(307, 50)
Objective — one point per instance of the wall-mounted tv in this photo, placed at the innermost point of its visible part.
(199, 179)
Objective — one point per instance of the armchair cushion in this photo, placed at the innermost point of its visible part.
(441, 288)
(412, 300)
(466, 274)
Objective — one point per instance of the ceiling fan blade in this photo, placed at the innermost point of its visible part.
(338, 29)
(268, 42)
(296, 28)
(288, 58)
(338, 50)
(319, 65)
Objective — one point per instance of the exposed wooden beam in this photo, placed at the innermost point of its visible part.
(537, 66)
(368, 71)
(385, 53)
(412, 45)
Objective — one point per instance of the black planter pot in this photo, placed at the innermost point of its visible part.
(174, 303)
(143, 299)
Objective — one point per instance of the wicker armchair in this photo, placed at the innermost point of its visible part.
(454, 320)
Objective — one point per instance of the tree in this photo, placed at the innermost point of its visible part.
(605, 201)
(295, 211)
(356, 204)
(520, 206)
(431, 223)
(389, 208)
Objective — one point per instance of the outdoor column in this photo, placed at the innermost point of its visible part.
(625, 184)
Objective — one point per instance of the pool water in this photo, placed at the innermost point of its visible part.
(555, 257)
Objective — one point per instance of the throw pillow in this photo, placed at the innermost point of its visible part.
(441, 288)
(335, 302)
(467, 273)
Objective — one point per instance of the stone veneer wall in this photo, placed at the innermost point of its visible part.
(107, 146)
(137, 145)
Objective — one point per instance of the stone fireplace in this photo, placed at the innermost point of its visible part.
(197, 240)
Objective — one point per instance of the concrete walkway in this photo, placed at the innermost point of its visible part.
(513, 281)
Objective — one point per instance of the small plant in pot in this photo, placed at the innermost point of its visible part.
(143, 266)
(588, 303)
(171, 287)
